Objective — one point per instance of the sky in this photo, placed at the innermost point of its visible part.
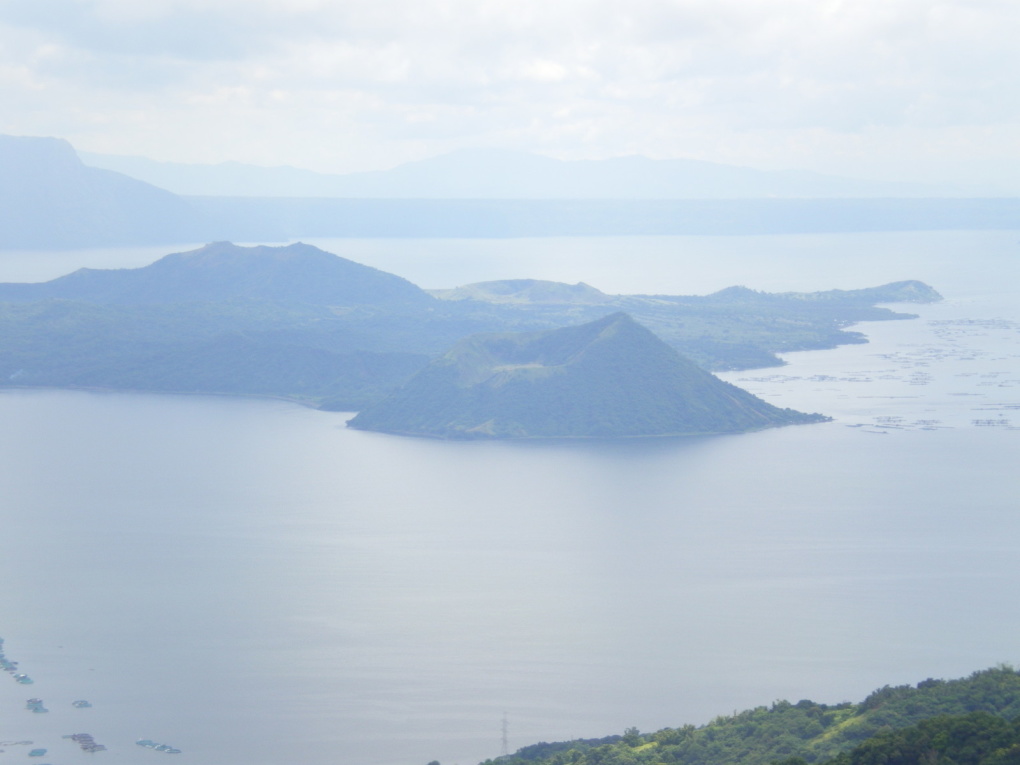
(918, 90)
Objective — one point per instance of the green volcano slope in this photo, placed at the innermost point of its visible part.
(605, 379)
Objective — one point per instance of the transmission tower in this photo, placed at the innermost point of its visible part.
(506, 749)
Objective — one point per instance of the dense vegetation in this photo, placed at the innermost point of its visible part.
(971, 721)
(977, 738)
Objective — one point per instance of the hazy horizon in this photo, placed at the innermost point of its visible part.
(906, 90)
(516, 174)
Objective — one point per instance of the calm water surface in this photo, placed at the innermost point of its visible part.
(253, 583)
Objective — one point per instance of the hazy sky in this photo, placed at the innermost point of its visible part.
(911, 89)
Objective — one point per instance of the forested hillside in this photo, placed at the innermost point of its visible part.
(970, 721)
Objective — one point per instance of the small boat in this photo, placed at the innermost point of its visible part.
(87, 742)
(81, 704)
(150, 744)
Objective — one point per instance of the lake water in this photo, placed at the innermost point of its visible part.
(253, 583)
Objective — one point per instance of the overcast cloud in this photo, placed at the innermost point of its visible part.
(911, 89)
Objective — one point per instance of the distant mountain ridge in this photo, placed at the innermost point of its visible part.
(504, 174)
(608, 378)
(49, 198)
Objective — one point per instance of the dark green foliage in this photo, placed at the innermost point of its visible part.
(972, 721)
(977, 738)
(544, 751)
